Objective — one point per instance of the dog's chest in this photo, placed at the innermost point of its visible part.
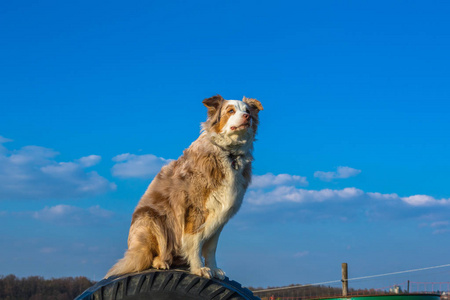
(224, 202)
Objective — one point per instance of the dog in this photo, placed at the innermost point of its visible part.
(184, 209)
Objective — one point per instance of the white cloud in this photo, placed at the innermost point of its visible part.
(297, 195)
(425, 200)
(2, 141)
(440, 224)
(439, 227)
(269, 180)
(301, 254)
(386, 197)
(441, 231)
(89, 161)
(288, 202)
(293, 194)
(33, 173)
(137, 166)
(341, 172)
(68, 214)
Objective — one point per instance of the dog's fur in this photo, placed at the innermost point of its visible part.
(179, 218)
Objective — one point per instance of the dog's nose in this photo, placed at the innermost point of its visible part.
(246, 116)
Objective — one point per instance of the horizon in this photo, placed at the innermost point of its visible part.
(352, 152)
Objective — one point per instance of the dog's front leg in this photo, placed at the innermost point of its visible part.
(192, 245)
(209, 253)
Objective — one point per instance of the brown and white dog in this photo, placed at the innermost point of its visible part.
(179, 218)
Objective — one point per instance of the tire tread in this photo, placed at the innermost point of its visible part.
(173, 282)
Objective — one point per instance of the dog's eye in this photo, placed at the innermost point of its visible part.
(231, 111)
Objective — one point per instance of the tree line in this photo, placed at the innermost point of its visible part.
(38, 288)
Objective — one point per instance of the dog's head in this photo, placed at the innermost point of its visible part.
(232, 117)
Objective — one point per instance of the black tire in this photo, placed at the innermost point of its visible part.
(166, 285)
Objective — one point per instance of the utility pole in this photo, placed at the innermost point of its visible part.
(344, 280)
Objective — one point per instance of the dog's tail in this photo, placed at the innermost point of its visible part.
(149, 244)
(134, 260)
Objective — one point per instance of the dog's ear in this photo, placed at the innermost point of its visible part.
(253, 103)
(213, 104)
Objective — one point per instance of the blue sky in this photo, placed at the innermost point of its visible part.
(352, 158)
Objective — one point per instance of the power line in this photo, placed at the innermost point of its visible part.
(296, 286)
(400, 272)
(350, 279)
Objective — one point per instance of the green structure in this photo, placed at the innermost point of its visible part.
(390, 297)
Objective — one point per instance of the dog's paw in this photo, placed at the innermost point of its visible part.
(203, 272)
(159, 264)
(218, 273)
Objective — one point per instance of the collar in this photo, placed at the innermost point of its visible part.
(234, 163)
